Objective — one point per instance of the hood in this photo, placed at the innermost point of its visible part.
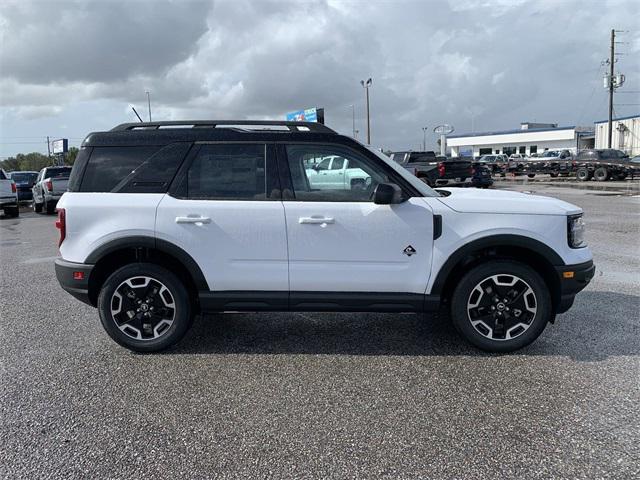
(473, 200)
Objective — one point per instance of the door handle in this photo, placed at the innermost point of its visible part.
(193, 219)
(315, 220)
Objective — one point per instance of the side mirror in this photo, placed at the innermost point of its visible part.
(387, 194)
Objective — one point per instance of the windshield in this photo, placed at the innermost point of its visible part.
(551, 153)
(58, 172)
(24, 177)
(422, 187)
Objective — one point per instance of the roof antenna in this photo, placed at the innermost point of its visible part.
(134, 111)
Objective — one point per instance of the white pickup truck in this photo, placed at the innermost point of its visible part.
(8, 195)
(333, 172)
(50, 185)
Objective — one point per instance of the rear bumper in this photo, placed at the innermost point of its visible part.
(79, 288)
(573, 278)
(8, 201)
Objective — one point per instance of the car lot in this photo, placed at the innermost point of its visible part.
(323, 395)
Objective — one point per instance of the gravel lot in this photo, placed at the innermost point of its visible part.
(318, 396)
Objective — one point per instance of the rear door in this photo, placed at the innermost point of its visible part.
(224, 210)
(340, 241)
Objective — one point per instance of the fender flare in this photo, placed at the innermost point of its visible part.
(503, 240)
(157, 244)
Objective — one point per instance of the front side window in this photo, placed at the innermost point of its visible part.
(228, 172)
(350, 178)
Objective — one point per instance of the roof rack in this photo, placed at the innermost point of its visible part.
(292, 126)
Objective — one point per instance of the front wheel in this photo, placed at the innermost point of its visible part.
(501, 306)
(144, 307)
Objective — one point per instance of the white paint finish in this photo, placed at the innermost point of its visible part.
(520, 137)
(628, 140)
(497, 202)
(243, 245)
(459, 229)
(94, 219)
(362, 250)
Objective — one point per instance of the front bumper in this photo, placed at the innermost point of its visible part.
(79, 288)
(573, 278)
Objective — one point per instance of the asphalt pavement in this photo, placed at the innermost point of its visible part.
(322, 395)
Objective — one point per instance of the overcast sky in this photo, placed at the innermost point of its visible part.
(71, 67)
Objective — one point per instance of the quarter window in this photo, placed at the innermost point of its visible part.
(349, 178)
(109, 165)
(228, 172)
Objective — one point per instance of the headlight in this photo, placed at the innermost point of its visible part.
(575, 231)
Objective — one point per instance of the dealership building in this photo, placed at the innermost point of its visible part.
(626, 134)
(529, 138)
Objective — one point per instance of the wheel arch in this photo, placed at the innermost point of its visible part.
(528, 251)
(109, 257)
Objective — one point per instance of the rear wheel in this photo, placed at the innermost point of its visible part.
(601, 174)
(531, 175)
(144, 307)
(501, 306)
(553, 174)
(37, 207)
(51, 207)
(12, 211)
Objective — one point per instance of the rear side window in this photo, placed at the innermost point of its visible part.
(108, 166)
(56, 172)
(2, 175)
(228, 172)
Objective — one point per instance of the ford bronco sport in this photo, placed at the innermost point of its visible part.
(165, 220)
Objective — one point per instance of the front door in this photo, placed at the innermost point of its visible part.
(340, 241)
(226, 213)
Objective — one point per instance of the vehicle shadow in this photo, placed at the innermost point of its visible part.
(600, 325)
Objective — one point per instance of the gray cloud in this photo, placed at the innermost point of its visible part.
(499, 62)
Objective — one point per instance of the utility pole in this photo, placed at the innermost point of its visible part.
(149, 104)
(424, 139)
(611, 81)
(353, 119)
(48, 147)
(366, 86)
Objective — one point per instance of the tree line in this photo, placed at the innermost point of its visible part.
(36, 161)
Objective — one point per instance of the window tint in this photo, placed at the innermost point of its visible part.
(228, 172)
(2, 175)
(356, 183)
(55, 172)
(108, 166)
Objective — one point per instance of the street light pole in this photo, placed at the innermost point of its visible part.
(149, 104)
(366, 86)
(424, 139)
(353, 119)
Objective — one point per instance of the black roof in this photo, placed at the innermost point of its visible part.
(163, 133)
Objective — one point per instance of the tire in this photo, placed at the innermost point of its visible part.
(51, 207)
(620, 176)
(37, 207)
(583, 174)
(166, 326)
(531, 175)
(12, 211)
(553, 174)
(533, 304)
(601, 174)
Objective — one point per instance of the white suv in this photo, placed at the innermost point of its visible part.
(162, 222)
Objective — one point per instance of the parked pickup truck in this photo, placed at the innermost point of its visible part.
(333, 172)
(435, 169)
(552, 162)
(604, 164)
(49, 187)
(8, 195)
